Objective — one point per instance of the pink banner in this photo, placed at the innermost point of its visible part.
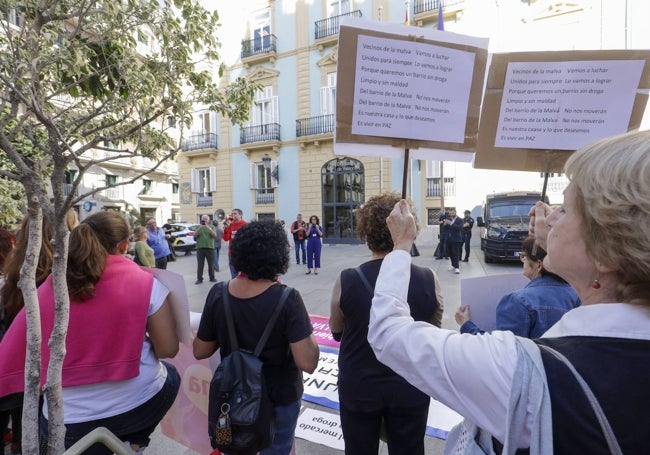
(322, 333)
(187, 420)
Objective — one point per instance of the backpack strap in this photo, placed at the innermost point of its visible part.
(234, 346)
(612, 443)
(271, 323)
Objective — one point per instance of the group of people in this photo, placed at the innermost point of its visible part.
(566, 370)
(454, 233)
(311, 234)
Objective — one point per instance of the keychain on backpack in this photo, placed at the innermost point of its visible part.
(224, 434)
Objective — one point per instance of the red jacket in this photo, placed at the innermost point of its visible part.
(231, 230)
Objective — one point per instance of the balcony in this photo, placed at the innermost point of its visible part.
(310, 126)
(264, 196)
(259, 133)
(426, 11)
(199, 141)
(330, 26)
(433, 187)
(204, 200)
(259, 49)
(67, 189)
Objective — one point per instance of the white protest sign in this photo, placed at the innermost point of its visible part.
(567, 104)
(320, 427)
(483, 294)
(407, 89)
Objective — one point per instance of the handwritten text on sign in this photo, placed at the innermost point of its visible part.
(565, 105)
(406, 89)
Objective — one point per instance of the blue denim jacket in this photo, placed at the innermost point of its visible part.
(531, 311)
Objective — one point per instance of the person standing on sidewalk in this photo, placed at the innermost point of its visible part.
(369, 391)
(314, 244)
(468, 224)
(217, 244)
(455, 239)
(441, 251)
(158, 240)
(298, 229)
(204, 236)
(234, 221)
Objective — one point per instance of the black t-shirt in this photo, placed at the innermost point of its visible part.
(283, 378)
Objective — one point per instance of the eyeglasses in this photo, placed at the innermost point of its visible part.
(522, 256)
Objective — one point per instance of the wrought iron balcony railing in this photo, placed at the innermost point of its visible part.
(315, 125)
(264, 196)
(260, 45)
(422, 6)
(199, 141)
(259, 133)
(330, 26)
(433, 187)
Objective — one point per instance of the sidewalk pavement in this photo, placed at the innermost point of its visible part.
(316, 291)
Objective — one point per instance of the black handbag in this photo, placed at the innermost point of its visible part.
(240, 412)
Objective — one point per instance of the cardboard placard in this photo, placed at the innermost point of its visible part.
(541, 106)
(405, 87)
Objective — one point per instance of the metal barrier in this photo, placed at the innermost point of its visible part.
(100, 435)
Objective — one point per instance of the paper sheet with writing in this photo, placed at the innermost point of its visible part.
(567, 104)
(407, 89)
(483, 294)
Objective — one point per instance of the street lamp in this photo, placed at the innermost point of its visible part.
(266, 160)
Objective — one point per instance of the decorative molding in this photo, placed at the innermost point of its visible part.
(262, 72)
(329, 59)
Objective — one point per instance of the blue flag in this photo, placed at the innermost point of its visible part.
(441, 19)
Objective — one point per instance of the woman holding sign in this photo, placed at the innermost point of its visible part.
(588, 393)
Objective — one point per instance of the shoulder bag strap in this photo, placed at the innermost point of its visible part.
(364, 280)
(614, 448)
(271, 323)
(234, 346)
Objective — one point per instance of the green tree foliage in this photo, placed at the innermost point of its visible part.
(82, 82)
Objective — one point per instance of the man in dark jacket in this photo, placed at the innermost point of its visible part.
(468, 224)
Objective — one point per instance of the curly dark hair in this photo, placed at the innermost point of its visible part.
(260, 250)
(371, 222)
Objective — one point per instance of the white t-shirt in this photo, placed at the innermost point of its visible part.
(106, 399)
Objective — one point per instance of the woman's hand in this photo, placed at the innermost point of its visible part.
(537, 226)
(401, 225)
(462, 314)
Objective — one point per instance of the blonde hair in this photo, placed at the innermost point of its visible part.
(612, 179)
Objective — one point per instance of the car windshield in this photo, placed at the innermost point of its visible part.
(510, 209)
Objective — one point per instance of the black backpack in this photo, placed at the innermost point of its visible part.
(240, 412)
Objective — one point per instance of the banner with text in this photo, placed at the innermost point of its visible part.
(401, 86)
(540, 106)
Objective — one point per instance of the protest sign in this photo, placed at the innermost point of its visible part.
(541, 106)
(403, 87)
(483, 294)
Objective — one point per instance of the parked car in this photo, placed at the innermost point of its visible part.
(183, 236)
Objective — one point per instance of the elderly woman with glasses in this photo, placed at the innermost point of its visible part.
(531, 311)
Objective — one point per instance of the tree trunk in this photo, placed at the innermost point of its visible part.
(53, 390)
(27, 285)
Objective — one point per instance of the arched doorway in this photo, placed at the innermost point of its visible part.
(343, 190)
